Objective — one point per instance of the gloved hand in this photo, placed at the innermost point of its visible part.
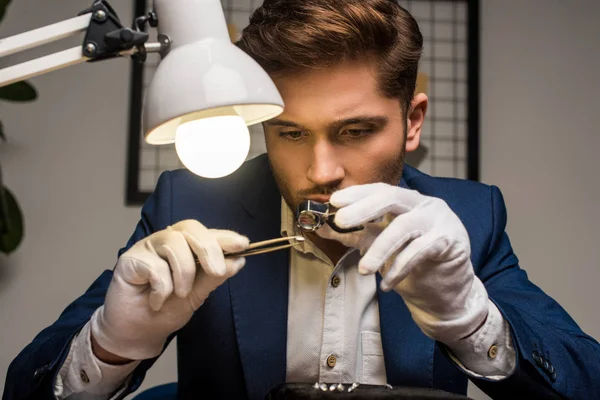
(157, 286)
(422, 251)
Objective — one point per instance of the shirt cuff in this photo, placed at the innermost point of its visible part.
(489, 352)
(83, 373)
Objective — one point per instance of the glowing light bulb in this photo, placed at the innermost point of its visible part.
(213, 147)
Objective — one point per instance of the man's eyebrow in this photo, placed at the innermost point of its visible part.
(284, 123)
(335, 125)
(363, 119)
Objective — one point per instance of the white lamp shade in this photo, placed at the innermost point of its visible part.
(206, 78)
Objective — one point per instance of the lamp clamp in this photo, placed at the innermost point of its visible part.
(106, 37)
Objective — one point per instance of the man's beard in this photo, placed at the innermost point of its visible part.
(390, 173)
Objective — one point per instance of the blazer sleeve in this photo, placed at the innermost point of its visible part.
(555, 358)
(32, 373)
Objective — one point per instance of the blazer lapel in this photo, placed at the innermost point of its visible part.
(408, 352)
(259, 292)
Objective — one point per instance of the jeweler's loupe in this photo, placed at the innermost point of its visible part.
(311, 215)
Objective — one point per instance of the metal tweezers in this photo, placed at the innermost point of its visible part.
(267, 246)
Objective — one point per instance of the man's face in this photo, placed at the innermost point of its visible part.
(337, 131)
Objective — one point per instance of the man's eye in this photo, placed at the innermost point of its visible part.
(292, 135)
(357, 133)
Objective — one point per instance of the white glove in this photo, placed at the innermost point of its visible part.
(157, 286)
(422, 251)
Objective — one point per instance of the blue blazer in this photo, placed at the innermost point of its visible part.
(235, 345)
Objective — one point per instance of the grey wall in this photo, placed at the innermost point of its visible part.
(540, 140)
(66, 162)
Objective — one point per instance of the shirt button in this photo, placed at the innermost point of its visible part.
(546, 365)
(493, 351)
(331, 360)
(537, 358)
(39, 373)
(84, 377)
(335, 281)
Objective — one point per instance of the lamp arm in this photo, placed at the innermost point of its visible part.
(105, 37)
(47, 34)
(41, 66)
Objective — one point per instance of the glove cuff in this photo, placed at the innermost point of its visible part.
(131, 345)
(460, 325)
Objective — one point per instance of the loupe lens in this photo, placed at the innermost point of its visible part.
(309, 221)
(311, 215)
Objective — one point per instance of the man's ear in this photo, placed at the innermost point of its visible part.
(415, 119)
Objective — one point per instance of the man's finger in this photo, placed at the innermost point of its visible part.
(401, 231)
(230, 241)
(414, 254)
(352, 194)
(388, 199)
(177, 252)
(209, 253)
(205, 283)
(350, 239)
(158, 276)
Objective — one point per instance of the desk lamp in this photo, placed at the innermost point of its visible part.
(204, 93)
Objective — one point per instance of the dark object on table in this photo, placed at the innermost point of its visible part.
(323, 391)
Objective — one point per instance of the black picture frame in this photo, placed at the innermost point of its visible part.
(135, 196)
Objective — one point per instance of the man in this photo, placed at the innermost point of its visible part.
(428, 294)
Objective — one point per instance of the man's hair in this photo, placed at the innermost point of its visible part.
(286, 36)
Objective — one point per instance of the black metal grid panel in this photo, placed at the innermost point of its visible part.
(445, 62)
(450, 61)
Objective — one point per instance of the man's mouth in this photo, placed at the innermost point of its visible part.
(320, 199)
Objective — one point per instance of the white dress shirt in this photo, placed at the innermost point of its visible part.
(333, 332)
(333, 314)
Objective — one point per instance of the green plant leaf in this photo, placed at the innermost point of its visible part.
(11, 222)
(19, 91)
(3, 5)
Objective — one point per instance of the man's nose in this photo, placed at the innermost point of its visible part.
(326, 166)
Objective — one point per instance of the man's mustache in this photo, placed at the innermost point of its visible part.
(318, 191)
